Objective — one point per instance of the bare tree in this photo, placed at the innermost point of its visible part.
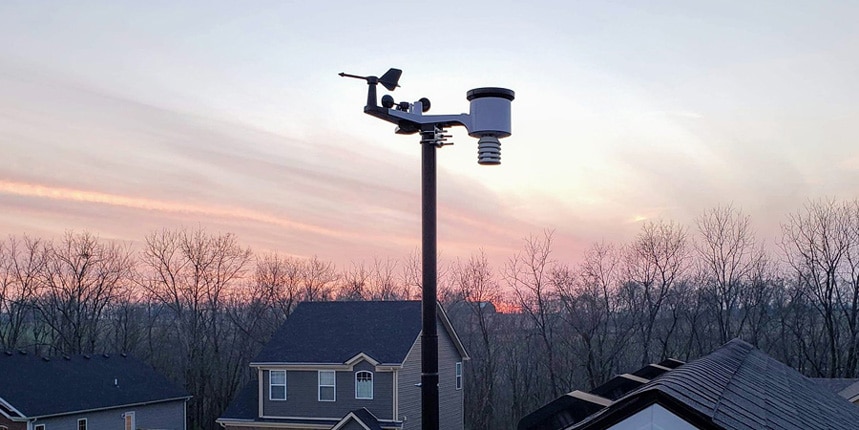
(729, 254)
(654, 263)
(479, 293)
(816, 242)
(318, 280)
(80, 279)
(193, 273)
(528, 274)
(21, 263)
(592, 310)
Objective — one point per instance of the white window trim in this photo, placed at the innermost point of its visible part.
(133, 420)
(319, 385)
(372, 380)
(79, 423)
(272, 384)
(458, 375)
(39, 427)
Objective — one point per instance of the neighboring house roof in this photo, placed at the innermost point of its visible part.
(335, 332)
(362, 417)
(835, 384)
(37, 387)
(736, 387)
(576, 406)
(851, 392)
(245, 404)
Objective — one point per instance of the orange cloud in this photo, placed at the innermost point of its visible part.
(68, 194)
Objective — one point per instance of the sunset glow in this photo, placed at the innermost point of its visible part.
(232, 117)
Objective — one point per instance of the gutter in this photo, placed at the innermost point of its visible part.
(105, 408)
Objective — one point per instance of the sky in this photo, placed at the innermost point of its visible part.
(122, 118)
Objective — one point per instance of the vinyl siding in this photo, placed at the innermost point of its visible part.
(450, 399)
(302, 395)
(166, 416)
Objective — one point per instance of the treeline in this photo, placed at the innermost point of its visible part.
(198, 306)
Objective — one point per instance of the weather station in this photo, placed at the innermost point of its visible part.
(488, 120)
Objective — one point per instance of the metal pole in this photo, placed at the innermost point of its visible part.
(429, 336)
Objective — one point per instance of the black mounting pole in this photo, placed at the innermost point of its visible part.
(429, 336)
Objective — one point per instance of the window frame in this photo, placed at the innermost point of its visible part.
(357, 382)
(458, 375)
(271, 385)
(82, 421)
(39, 427)
(125, 417)
(319, 385)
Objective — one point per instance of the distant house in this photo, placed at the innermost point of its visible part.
(86, 393)
(736, 387)
(349, 365)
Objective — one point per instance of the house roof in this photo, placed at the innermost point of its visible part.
(37, 387)
(245, 404)
(363, 417)
(335, 332)
(736, 387)
(850, 392)
(836, 384)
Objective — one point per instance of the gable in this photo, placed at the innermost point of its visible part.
(359, 419)
(653, 417)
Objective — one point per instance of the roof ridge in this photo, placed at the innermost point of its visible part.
(749, 349)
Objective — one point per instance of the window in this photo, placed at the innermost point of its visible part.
(40, 427)
(82, 424)
(129, 420)
(327, 386)
(277, 385)
(364, 385)
(459, 375)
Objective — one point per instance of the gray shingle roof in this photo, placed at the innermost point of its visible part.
(39, 387)
(738, 387)
(836, 384)
(245, 404)
(334, 332)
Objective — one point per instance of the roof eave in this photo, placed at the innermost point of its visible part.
(625, 408)
(106, 408)
(453, 336)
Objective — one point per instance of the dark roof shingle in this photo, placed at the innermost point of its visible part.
(41, 387)
(738, 387)
(334, 332)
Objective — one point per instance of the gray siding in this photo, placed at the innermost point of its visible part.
(167, 416)
(409, 393)
(302, 395)
(450, 399)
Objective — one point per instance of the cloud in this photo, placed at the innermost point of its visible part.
(79, 158)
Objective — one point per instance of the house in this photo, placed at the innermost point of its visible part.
(86, 392)
(736, 387)
(349, 365)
